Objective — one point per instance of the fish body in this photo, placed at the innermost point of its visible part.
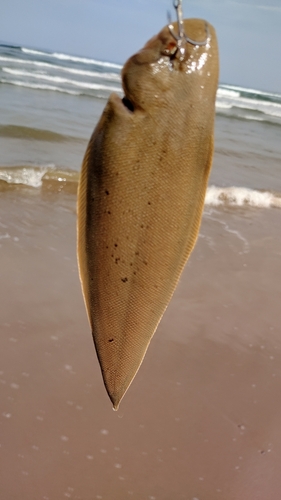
(141, 196)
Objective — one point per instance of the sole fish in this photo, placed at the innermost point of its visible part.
(141, 195)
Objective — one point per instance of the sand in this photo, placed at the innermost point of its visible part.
(201, 420)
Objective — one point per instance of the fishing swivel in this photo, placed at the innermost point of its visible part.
(181, 38)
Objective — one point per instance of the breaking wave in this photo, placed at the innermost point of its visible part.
(59, 79)
(67, 57)
(86, 76)
(241, 197)
(36, 176)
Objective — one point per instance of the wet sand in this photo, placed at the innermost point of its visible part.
(201, 420)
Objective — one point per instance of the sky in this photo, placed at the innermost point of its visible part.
(249, 31)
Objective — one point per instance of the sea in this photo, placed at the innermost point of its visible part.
(201, 420)
(51, 102)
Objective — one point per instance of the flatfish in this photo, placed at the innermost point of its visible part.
(141, 193)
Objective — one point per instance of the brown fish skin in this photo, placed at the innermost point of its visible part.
(141, 196)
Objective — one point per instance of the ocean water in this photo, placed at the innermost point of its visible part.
(51, 103)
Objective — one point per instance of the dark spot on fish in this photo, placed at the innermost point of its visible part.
(149, 203)
(112, 255)
(145, 262)
(124, 280)
(137, 253)
(106, 246)
(106, 192)
(141, 226)
(116, 260)
(128, 104)
(134, 273)
(109, 212)
(131, 263)
(110, 340)
(262, 452)
(115, 244)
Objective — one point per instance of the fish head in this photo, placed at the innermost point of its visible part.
(156, 75)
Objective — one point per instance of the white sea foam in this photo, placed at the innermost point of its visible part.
(252, 117)
(107, 76)
(250, 91)
(36, 86)
(248, 104)
(215, 196)
(223, 105)
(34, 52)
(230, 96)
(66, 57)
(228, 229)
(276, 113)
(268, 108)
(59, 79)
(28, 176)
(222, 92)
(56, 67)
(27, 61)
(85, 60)
(13, 59)
(240, 196)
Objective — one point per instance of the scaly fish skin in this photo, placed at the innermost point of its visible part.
(141, 196)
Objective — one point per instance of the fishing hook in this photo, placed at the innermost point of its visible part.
(181, 38)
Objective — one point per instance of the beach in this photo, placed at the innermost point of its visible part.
(201, 420)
